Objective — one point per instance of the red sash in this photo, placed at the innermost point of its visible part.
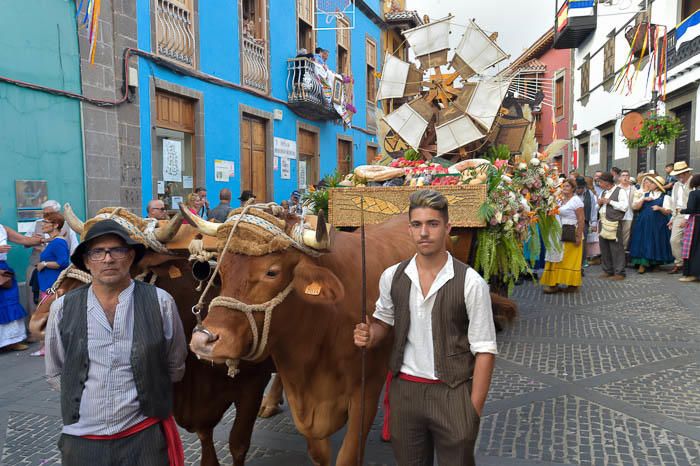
(413, 378)
(176, 454)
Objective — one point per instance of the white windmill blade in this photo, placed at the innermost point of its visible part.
(486, 101)
(476, 52)
(430, 42)
(410, 121)
(456, 133)
(399, 79)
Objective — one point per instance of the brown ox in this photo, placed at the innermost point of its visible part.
(310, 337)
(205, 392)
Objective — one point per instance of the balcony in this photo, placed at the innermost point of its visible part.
(175, 31)
(254, 64)
(308, 93)
(687, 54)
(574, 22)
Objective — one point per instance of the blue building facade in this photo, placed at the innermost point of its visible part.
(217, 91)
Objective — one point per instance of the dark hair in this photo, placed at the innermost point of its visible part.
(580, 182)
(615, 170)
(607, 177)
(200, 189)
(625, 171)
(55, 218)
(570, 182)
(695, 181)
(669, 165)
(318, 50)
(427, 198)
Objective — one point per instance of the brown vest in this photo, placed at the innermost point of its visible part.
(611, 213)
(454, 362)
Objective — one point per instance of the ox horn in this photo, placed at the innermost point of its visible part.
(168, 232)
(204, 227)
(74, 222)
(320, 238)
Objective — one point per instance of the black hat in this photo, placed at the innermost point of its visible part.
(580, 182)
(102, 228)
(607, 177)
(245, 195)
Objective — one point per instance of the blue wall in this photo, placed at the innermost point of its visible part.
(40, 133)
(218, 48)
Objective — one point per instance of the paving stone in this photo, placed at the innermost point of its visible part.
(552, 430)
(507, 384)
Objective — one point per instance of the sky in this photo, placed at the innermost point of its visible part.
(518, 22)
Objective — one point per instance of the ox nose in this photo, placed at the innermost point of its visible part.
(202, 341)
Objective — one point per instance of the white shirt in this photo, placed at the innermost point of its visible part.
(622, 203)
(418, 357)
(567, 212)
(679, 197)
(3, 242)
(631, 192)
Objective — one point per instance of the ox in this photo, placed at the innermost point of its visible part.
(205, 392)
(310, 335)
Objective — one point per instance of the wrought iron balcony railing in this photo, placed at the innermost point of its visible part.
(676, 57)
(175, 31)
(306, 94)
(254, 65)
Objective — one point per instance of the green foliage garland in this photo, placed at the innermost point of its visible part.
(655, 131)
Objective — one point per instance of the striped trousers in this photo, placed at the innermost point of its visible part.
(429, 419)
(145, 448)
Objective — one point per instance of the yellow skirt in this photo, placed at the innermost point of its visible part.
(568, 271)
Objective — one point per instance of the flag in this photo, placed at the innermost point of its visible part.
(688, 30)
(581, 8)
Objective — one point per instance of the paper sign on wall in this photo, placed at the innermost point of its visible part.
(223, 170)
(275, 163)
(161, 187)
(594, 148)
(172, 160)
(187, 182)
(286, 168)
(302, 174)
(175, 201)
(285, 148)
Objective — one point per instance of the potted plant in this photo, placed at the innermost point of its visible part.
(656, 130)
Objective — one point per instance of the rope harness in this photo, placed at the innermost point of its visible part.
(259, 343)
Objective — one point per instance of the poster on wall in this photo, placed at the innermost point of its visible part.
(224, 170)
(275, 163)
(30, 194)
(285, 168)
(285, 148)
(302, 174)
(594, 148)
(172, 160)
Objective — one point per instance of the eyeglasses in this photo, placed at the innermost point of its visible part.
(99, 254)
(157, 208)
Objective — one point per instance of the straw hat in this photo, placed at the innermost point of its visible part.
(680, 167)
(657, 180)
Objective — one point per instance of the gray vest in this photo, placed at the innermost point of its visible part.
(613, 214)
(454, 362)
(148, 354)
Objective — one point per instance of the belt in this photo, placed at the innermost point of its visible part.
(413, 378)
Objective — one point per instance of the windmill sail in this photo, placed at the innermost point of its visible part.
(486, 101)
(430, 42)
(410, 121)
(476, 52)
(399, 79)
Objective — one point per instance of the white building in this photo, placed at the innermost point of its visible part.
(597, 32)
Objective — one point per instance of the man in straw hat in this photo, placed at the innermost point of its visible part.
(113, 349)
(442, 367)
(613, 204)
(679, 201)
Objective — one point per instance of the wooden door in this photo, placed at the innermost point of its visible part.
(344, 156)
(682, 149)
(307, 147)
(254, 157)
(608, 151)
(371, 154)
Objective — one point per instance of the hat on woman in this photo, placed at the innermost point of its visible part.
(657, 180)
(680, 167)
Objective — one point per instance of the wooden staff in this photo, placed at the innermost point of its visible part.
(363, 319)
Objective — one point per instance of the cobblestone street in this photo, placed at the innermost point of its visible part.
(608, 376)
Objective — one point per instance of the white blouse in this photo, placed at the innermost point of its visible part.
(567, 212)
(3, 242)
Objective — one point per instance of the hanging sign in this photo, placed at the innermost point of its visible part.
(172, 160)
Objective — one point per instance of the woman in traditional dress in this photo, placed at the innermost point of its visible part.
(650, 243)
(691, 234)
(12, 329)
(563, 267)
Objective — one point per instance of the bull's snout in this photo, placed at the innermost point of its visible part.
(202, 342)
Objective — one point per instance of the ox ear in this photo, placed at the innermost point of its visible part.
(317, 285)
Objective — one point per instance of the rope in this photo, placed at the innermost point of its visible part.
(146, 237)
(69, 272)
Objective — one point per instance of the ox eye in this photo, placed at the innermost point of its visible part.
(272, 273)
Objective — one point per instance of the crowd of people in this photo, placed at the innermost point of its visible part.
(622, 222)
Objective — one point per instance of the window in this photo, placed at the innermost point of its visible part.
(559, 97)
(175, 30)
(307, 149)
(305, 18)
(343, 40)
(689, 7)
(371, 59)
(174, 146)
(344, 155)
(609, 58)
(372, 152)
(585, 75)
(583, 161)
(609, 151)
(254, 66)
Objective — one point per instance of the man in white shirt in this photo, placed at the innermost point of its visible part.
(444, 343)
(624, 184)
(613, 204)
(679, 201)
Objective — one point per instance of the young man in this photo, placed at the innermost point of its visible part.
(444, 343)
(679, 201)
(670, 179)
(613, 204)
(113, 350)
(623, 182)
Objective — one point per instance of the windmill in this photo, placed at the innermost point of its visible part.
(450, 105)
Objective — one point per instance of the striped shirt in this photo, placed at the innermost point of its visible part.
(109, 402)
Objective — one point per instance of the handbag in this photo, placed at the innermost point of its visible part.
(609, 229)
(568, 233)
(6, 277)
